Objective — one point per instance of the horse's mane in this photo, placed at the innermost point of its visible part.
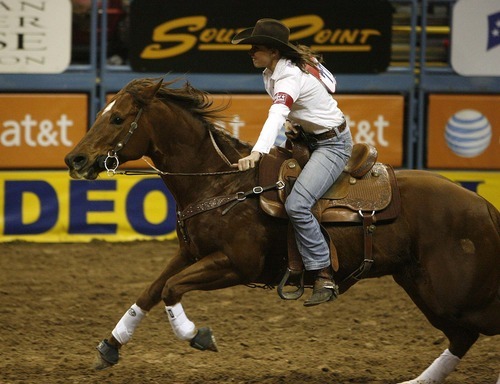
(195, 101)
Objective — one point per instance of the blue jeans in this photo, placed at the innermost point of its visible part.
(327, 161)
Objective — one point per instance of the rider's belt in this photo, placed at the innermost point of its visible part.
(328, 134)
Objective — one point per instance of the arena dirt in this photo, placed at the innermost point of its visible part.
(59, 300)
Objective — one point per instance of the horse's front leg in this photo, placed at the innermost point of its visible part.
(214, 271)
(108, 349)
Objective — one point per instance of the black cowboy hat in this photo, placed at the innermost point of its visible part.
(268, 32)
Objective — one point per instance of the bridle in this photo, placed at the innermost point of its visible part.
(113, 153)
(112, 157)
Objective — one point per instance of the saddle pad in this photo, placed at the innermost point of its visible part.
(370, 193)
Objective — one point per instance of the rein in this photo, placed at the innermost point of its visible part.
(112, 156)
(156, 171)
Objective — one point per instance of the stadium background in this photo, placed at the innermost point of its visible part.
(61, 294)
(405, 110)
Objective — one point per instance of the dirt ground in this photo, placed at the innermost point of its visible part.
(59, 300)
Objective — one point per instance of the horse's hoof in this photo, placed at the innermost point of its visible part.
(100, 364)
(108, 355)
(204, 340)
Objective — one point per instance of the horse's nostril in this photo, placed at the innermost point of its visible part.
(101, 162)
(76, 161)
(80, 161)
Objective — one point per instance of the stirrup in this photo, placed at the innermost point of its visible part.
(295, 278)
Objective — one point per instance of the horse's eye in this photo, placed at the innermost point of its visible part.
(117, 120)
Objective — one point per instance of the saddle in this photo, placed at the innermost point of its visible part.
(366, 192)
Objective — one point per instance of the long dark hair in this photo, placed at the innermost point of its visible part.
(303, 56)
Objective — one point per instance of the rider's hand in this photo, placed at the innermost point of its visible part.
(248, 162)
(292, 131)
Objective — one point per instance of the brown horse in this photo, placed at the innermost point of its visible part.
(443, 248)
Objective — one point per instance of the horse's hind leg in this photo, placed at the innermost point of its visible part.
(461, 340)
(108, 349)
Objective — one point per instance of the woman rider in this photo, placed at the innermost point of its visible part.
(306, 100)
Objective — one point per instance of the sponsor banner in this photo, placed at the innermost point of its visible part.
(35, 36)
(463, 132)
(38, 130)
(486, 184)
(52, 207)
(373, 119)
(353, 37)
(475, 38)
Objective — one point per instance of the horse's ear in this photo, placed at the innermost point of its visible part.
(150, 91)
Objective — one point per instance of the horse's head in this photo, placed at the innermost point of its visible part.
(113, 139)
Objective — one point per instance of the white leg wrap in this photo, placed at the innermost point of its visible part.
(183, 328)
(437, 372)
(127, 324)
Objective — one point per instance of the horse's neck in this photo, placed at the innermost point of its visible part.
(229, 149)
(203, 164)
(197, 153)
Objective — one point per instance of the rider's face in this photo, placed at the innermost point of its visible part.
(263, 57)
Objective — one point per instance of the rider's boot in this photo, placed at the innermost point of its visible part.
(324, 288)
